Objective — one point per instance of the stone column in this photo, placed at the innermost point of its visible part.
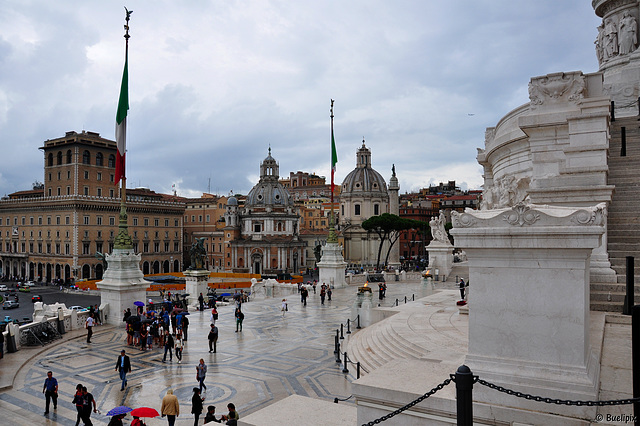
(123, 283)
(196, 282)
(529, 317)
(332, 266)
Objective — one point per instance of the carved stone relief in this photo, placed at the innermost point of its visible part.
(505, 192)
(555, 88)
(617, 36)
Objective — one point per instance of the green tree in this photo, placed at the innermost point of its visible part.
(388, 227)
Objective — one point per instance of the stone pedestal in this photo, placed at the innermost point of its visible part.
(123, 283)
(440, 257)
(197, 281)
(529, 325)
(332, 266)
(363, 306)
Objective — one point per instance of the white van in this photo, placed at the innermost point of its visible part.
(3, 287)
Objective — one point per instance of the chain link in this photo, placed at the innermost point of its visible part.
(409, 405)
(556, 401)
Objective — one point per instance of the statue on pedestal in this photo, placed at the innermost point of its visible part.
(198, 254)
(438, 233)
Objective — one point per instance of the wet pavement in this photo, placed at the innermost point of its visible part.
(273, 357)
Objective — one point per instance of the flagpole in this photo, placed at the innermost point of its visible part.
(332, 237)
(123, 240)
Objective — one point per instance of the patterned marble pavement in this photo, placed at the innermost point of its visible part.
(272, 358)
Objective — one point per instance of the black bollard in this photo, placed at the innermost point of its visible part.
(623, 137)
(341, 331)
(345, 369)
(396, 302)
(338, 360)
(358, 318)
(413, 297)
(405, 300)
(629, 297)
(358, 370)
(464, 391)
(336, 345)
(348, 326)
(635, 359)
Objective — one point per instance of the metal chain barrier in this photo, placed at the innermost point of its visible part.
(409, 405)
(557, 401)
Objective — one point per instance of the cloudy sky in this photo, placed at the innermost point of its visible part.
(214, 83)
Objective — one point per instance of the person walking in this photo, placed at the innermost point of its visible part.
(123, 365)
(168, 346)
(213, 338)
(323, 293)
(89, 323)
(170, 407)
(86, 406)
(50, 391)
(179, 346)
(196, 405)
(78, 400)
(329, 293)
(303, 295)
(461, 289)
(214, 315)
(201, 374)
(201, 302)
(284, 307)
(239, 318)
(185, 326)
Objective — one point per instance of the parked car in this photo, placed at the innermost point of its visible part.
(10, 304)
(78, 308)
(3, 287)
(36, 298)
(30, 283)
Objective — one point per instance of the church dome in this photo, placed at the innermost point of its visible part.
(363, 179)
(269, 191)
(232, 201)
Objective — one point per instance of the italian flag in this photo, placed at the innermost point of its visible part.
(334, 160)
(121, 123)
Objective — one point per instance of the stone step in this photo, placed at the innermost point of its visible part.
(597, 296)
(613, 288)
(605, 306)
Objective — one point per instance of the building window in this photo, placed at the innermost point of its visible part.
(135, 247)
(166, 222)
(50, 159)
(135, 221)
(99, 158)
(146, 234)
(30, 221)
(24, 220)
(59, 191)
(99, 176)
(111, 193)
(156, 222)
(58, 175)
(67, 249)
(86, 220)
(39, 247)
(156, 247)
(69, 157)
(112, 221)
(145, 247)
(58, 220)
(99, 192)
(146, 221)
(86, 157)
(166, 247)
(68, 190)
(176, 246)
(85, 248)
(68, 174)
(86, 174)
(86, 190)
(48, 220)
(99, 221)
(48, 248)
(176, 222)
(67, 220)
(112, 161)
(256, 227)
(208, 218)
(357, 209)
(57, 248)
(99, 247)
(193, 218)
(112, 178)
(376, 209)
(30, 247)
(39, 220)
(49, 192)
(200, 218)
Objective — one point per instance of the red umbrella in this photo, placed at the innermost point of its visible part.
(145, 412)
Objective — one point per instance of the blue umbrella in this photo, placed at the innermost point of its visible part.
(137, 303)
(225, 294)
(183, 313)
(119, 410)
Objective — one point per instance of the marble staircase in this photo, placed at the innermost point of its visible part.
(623, 228)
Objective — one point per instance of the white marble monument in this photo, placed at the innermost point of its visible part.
(440, 248)
(529, 323)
